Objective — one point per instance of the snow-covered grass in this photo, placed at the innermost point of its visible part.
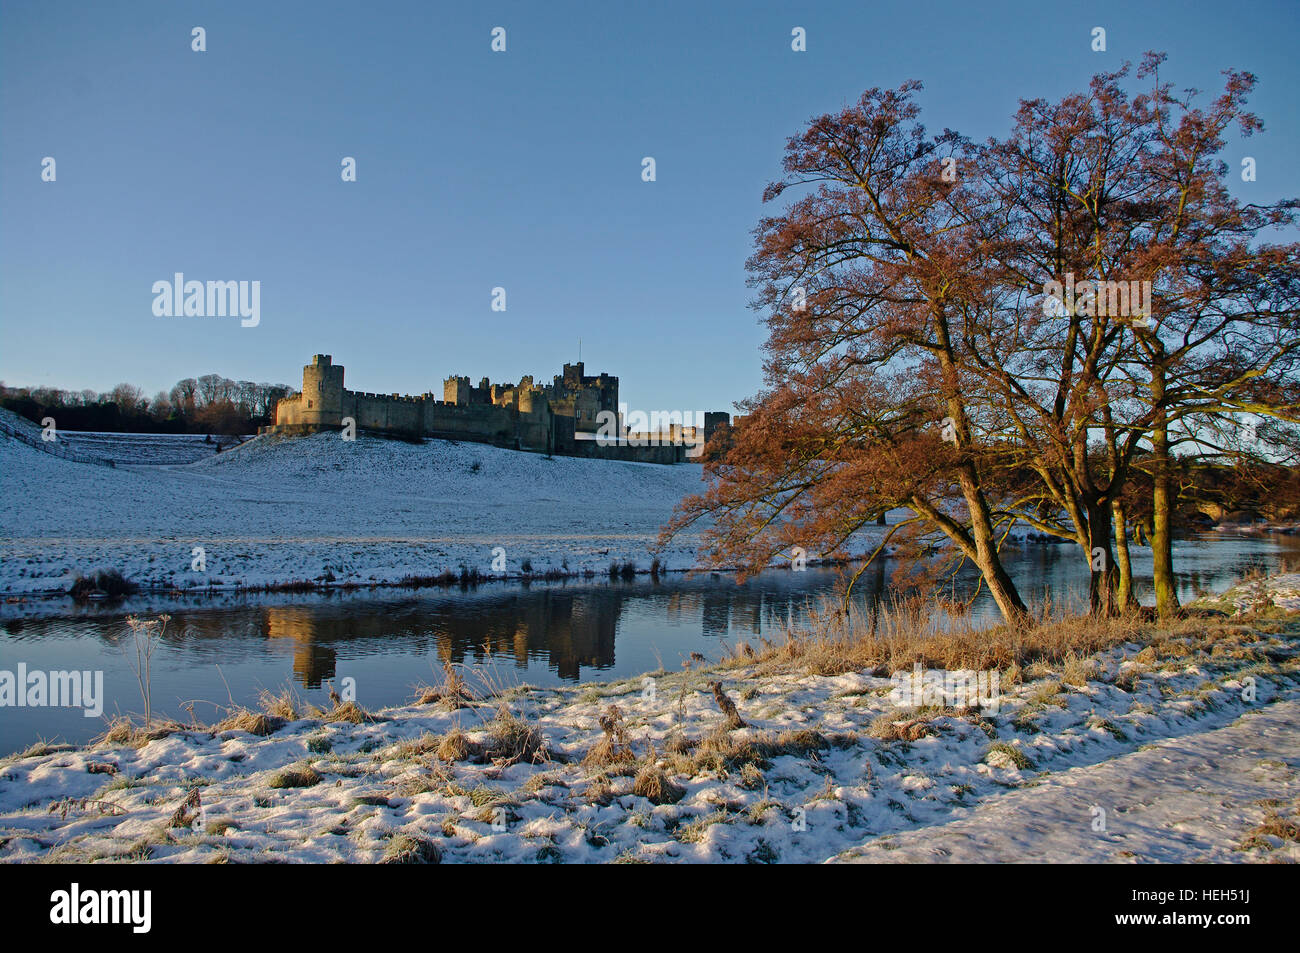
(818, 762)
(149, 449)
(1281, 590)
(323, 510)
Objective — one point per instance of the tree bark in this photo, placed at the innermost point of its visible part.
(1162, 542)
(1103, 574)
(1125, 596)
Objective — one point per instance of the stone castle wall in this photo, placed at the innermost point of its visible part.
(522, 416)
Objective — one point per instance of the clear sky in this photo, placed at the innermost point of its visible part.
(477, 170)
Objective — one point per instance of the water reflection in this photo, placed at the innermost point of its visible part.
(542, 633)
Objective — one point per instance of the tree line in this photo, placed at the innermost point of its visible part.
(1075, 329)
(207, 404)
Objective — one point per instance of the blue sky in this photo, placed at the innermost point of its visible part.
(478, 169)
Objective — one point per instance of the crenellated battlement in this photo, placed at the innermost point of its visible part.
(524, 416)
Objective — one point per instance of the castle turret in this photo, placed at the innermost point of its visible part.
(322, 392)
(714, 419)
(532, 400)
(456, 390)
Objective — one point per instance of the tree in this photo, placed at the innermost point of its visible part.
(130, 399)
(184, 396)
(1225, 338)
(868, 279)
(924, 352)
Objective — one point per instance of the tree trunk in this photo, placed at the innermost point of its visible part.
(1125, 596)
(986, 551)
(1003, 589)
(981, 520)
(1103, 574)
(1162, 542)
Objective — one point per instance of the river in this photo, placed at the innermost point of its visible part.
(229, 647)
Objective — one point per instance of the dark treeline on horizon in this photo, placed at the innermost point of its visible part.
(207, 404)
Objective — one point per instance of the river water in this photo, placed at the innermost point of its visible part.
(224, 648)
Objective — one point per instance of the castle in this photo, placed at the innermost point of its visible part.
(563, 417)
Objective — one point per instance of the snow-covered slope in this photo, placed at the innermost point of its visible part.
(157, 449)
(371, 510)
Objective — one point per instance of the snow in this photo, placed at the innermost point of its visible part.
(152, 449)
(1282, 591)
(278, 510)
(1185, 743)
(1182, 800)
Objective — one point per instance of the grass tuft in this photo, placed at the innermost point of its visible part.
(295, 776)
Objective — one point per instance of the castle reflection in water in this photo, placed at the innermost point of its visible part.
(566, 628)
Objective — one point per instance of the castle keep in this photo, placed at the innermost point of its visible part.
(562, 417)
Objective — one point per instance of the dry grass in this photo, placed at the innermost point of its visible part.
(1001, 753)
(412, 748)
(286, 706)
(411, 849)
(608, 756)
(295, 776)
(37, 749)
(680, 744)
(614, 749)
(253, 722)
(430, 782)
(653, 784)
(123, 731)
(344, 711)
(1077, 670)
(1277, 829)
(455, 746)
(889, 727)
(724, 751)
(913, 632)
(1046, 693)
(800, 741)
(451, 695)
(512, 740)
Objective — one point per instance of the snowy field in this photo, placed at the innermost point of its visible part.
(280, 510)
(153, 449)
(1182, 748)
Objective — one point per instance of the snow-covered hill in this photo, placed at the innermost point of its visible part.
(147, 448)
(278, 510)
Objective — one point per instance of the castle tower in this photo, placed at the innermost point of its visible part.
(532, 400)
(456, 390)
(714, 419)
(322, 392)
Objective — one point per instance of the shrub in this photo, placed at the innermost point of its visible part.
(108, 582)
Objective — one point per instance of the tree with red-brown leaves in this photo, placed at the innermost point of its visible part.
(869, 279)
(913, 362)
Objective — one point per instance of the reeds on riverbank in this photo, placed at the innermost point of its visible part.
(895, 636)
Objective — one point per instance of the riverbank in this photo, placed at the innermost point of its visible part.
(820, 756)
